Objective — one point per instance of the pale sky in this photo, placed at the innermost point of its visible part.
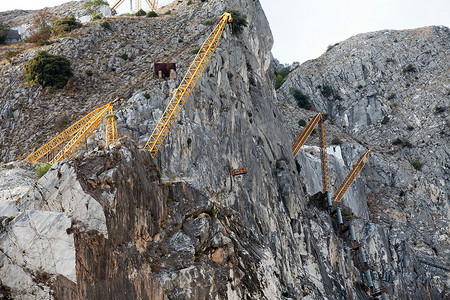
(302, 30)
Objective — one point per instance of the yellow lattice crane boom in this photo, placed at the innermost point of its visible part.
(184, 90)
(152, 4)
(303, 136)
(78, 132)
(351, 176)
(63, 136)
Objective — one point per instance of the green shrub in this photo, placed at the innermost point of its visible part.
(106, 25)
(189, 141)
(11, 54)
(417, 164)
(359, 87)
(42, 169)
(439, 109)
(301, 122)
(97, 17)
(402, 142)
(336, 141)
(327, 91)
(48, 70)
(209, 23)
(3, 32)
(65, 25)
(140, 13)
(385, 120)
(409, 69)
(239, 21)
(151, 14)
(391, 96)
(168, 12)
(402, 193)
(331, 46)
(189, 2)
(147, 95)
(94, 7)
(302, 100)
(88, 72)
(409, 128)
(124, 56)
(280, 77)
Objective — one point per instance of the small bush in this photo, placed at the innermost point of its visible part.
(280, 77)
(417, 164)
(359, 87)
(94, 7)
(327, 91)
(11, 54)
(336, 141)
(65, 25)
(151, 14)
(140, 13)
(124, 56)
(397, 141)
(209, 23)
(49, 70)
(239, 21)
(301, 122)
(42, 169)
(391, 96)
(96, 17)
(9, 167)
(410, 128)
(189, 142)
(409, 69)
(402, 193)
(106, 25)
(189, 2)
(88, 72)
(195, 51)
(147, 95)
(168, 12)
(331, 46)
(439, 109)
(385, 120)
(302, 100)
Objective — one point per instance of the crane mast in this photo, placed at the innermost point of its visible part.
(184, 90)
(303, 136)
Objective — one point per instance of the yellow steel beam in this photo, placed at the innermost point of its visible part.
(323, 155)
(63, 136)
(76, 141)
(186, 86)
(153, 4)
(351, 176)
(111, 126)
(116, 4)
(305, 133)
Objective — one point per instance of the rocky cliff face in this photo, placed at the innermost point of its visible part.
(182, 227)
(388, 91)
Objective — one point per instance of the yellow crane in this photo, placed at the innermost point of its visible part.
(184, 90)
(351, 176)
(78, 132)
(303, 136)
(152, 4)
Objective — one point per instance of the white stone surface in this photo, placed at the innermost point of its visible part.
(59, 190)
(38, 240)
